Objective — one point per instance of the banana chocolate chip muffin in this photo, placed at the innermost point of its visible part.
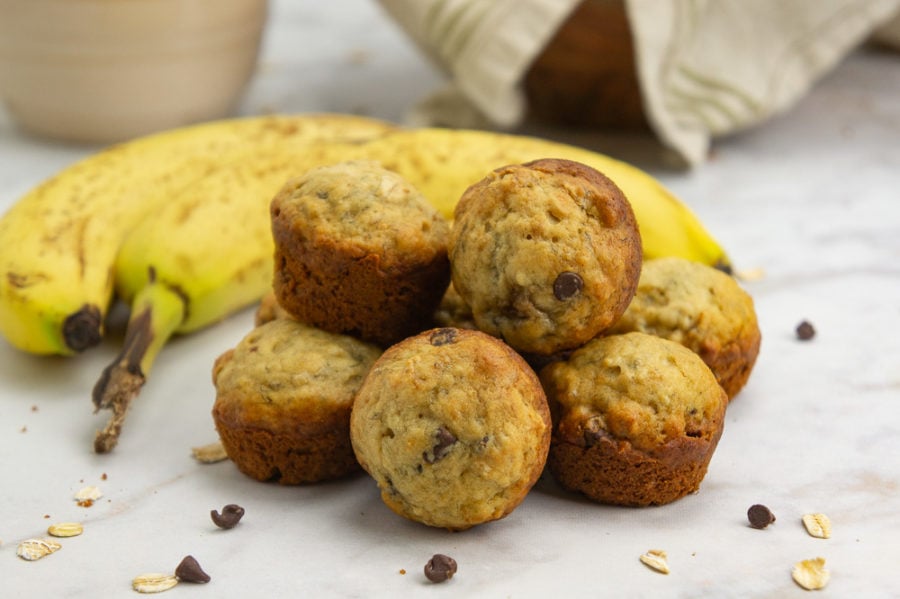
(453, 311)
(636, 419)
(269, 309)
(703, 309)
(359, 251)
(453, 426)
(283, 399)
(547, 254)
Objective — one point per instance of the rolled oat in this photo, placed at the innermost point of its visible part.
(656, 559)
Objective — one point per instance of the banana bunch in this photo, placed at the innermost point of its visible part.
(177, 225)
(59, 242)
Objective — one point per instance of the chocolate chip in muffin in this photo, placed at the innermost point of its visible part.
(593, 431)
(760, 516)
(444, 442)
(805, 331)
(443, 337)
(567, 285)
(440, 568)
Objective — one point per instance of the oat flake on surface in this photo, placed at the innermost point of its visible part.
(817, 525)
(65, 529)
(811, 574)
(153, 583)
(34, 549)
(209, 453)
(656, 559)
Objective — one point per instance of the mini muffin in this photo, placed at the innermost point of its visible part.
(453, 311)
(636, 419)
(703, 309)
(453, 426)
(547, 254)
(269, 309)
(283, 399)
(359, 251)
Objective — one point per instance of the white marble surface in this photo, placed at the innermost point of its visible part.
(811, 198)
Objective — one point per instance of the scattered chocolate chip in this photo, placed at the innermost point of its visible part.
(567, 285)
(190, 571)
(440, 568)
(760, 516)
(230, 516)
(805, 331)
(444, 441)
(442, 336)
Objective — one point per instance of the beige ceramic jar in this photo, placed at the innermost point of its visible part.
(109, 70)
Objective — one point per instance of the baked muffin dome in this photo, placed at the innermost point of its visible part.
(283, 400)
(547, 254)
(453, 426)
(269, 309)
(702, 308)
(453, 312)
(636, 419)
(359, 251)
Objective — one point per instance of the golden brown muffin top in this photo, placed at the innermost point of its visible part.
(690, 303)
(367, 208)
(634, 387)
(453, 425)
(284, 372)
(547, 254)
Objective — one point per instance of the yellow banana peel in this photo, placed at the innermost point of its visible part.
(177, 224)
(58, 242)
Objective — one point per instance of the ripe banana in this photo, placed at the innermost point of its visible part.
(210, 246)
(442, 163)
(58, 242)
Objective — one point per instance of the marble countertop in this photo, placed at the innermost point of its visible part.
(809, 201)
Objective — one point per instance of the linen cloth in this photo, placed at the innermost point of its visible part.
(706, 68)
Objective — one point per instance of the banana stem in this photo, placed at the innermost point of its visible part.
(156, 312)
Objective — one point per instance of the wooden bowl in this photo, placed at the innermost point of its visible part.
(586, 75)
(109, 70)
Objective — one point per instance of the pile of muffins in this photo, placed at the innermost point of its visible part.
(454, 363)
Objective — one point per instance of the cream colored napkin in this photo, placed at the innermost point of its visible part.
(706, 67)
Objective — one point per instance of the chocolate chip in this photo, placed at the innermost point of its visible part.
(440, 568)
(442, 337)
(567, 285)
(445, 440)
(593, 431)
(760, 516)
(190, 571)
(230, 516)
(805, 331)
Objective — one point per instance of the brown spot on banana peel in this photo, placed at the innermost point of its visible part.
(17, 280)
